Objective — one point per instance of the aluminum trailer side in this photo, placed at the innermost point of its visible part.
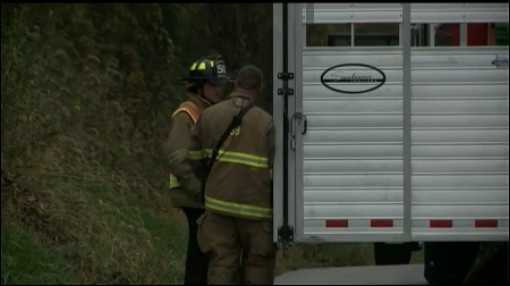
(392, 126)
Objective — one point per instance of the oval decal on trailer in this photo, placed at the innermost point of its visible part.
(353, 78)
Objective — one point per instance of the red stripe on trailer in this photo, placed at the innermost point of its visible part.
(486, 223)
(441, 223)
(337, 223)
(381, 223)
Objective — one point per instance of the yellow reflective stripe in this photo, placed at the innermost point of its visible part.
(238, 209)
(242, 162)
(246, 156)
(236, 213)
(240, 155)
(237, 205)
(240, 206)
(173, 182)
(195, 155)
(194, 66)
(201, 66)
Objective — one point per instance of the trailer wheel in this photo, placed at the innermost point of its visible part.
(491, 266)
(448, 262)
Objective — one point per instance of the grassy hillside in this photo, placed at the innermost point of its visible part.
(97, 236)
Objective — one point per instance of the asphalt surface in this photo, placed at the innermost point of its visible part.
(408, 274)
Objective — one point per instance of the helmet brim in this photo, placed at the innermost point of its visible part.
(216, 81)
(224, 80)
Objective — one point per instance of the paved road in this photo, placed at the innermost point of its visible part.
(411, 274)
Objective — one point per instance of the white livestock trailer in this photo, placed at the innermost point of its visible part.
(391, 122)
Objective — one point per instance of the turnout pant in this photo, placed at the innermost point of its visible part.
(196, 261)
(240, 251)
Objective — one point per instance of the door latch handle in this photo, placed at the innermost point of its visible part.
(295, 117)
(306, 125)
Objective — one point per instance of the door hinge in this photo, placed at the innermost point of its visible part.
(285, 91)
(285, 75)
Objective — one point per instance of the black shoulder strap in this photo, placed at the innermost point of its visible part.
(236, 122)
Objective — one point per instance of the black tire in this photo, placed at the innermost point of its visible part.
(491, 267)
(447, 263)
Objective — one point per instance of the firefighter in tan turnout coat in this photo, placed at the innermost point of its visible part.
(236, 230)
(205, 82)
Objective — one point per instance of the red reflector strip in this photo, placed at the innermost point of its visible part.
(381, 223)
(337, 223)
(486, 223)
(440, 223)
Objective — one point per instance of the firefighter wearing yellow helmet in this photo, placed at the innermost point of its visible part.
(204, 83)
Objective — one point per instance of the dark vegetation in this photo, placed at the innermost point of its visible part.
(87, 90)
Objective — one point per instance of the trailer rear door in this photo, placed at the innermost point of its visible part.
(398, 123)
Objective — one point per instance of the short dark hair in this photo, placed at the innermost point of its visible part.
(250, 77)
